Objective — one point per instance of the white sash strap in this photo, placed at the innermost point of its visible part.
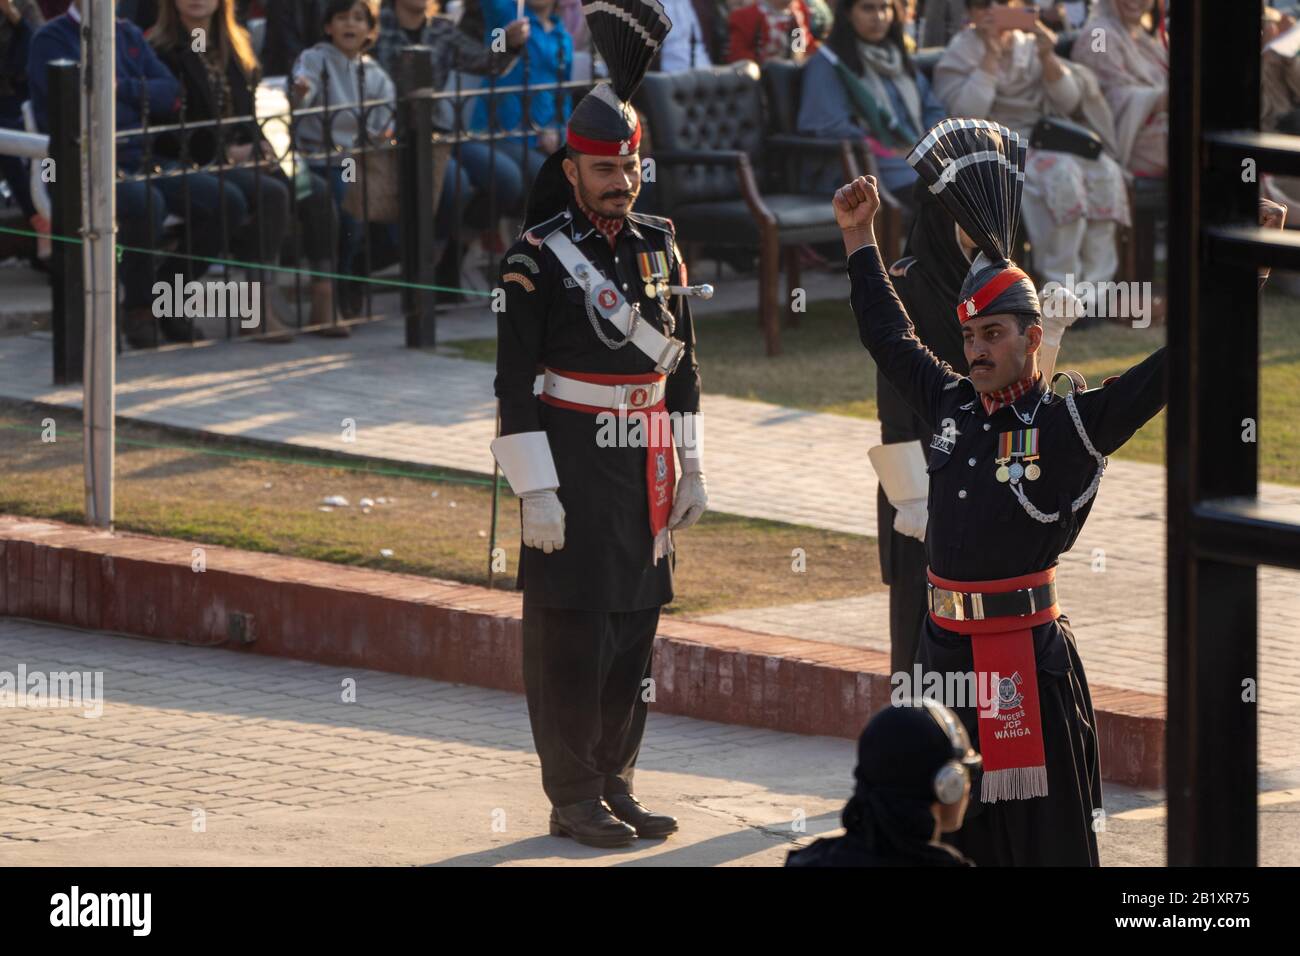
(632, 395)
(665, 352)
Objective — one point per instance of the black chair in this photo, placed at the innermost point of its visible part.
(1149, 206)
(783, 89)
(718, 172)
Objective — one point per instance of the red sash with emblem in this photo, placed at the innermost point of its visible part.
(660, 468)
(1011, 729)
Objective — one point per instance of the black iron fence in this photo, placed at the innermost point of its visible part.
(181, 189)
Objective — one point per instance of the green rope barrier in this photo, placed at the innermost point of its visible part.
(211, 260)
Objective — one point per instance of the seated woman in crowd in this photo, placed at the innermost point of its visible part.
(861, 83)
(219, 82)
(766, 30)
(336, 73)
(19, 21)
(147, 92)
(1071, 204)
(408, 22)
(506, 168)
(1133, 70)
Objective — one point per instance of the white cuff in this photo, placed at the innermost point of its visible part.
(688, 434)
(901, 469)
(526, 461)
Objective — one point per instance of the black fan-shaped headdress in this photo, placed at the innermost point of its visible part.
(976, 169)
(628, 34)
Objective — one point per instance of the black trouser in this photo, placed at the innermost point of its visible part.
(583, 673)
(906, 577)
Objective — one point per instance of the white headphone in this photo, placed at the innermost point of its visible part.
(950, 780)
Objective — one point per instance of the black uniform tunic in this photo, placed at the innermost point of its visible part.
(591, 609)
(978, 530)
(606, 563)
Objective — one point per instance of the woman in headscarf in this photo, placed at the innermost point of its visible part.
(1132, 66)
(928, 280)
(912, 784)
(1071, 204)
(861, 84)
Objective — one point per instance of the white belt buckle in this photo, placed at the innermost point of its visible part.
(638, 396)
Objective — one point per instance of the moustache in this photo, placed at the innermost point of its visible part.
(621, 194)
(981, 364)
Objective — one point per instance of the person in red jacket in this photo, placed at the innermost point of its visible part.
(771, 30)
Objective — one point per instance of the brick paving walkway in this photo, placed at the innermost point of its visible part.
(764, 461)
(414, 772)
(240, 738)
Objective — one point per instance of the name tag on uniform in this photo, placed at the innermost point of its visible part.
(570, 282)
(940, 443)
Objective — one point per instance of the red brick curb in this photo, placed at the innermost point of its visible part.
(353, 617)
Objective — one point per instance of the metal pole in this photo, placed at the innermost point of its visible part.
(68, 320)
(496, 499)
(99, 158)
(1211, 737)
(415, 156)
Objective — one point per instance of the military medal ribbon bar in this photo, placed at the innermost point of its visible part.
(1022, 446)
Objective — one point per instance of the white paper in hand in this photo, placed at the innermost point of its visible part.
(1287, 44)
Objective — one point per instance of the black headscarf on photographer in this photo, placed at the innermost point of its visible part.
(888, 818)
(899, 753)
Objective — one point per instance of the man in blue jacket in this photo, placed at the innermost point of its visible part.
(146, 91)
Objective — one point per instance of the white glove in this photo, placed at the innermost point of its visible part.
(542, 524)
(691, 498)
(910, 518)
(689, 502)
(1061, 309)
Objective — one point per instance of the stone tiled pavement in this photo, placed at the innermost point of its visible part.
(413, 772)
(245, 738)
(763, 461)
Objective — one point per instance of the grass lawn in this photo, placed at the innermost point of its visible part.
(436, 523)
(825, 368)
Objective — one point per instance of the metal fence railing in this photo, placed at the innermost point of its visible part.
(393, 163)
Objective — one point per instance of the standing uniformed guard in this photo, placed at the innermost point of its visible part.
(1013, 472)
(596, 303)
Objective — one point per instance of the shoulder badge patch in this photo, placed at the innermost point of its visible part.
(520, 279)
(525, 261)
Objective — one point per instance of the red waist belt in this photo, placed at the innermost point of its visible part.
(1010, 726)
(660, 468)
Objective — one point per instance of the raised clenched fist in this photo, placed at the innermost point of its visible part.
(856, 203)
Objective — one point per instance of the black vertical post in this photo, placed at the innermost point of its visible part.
(415, 138)
(1211, 733)
(68, 322)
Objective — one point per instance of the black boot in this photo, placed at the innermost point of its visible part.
(647, 824)
(591, 824)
